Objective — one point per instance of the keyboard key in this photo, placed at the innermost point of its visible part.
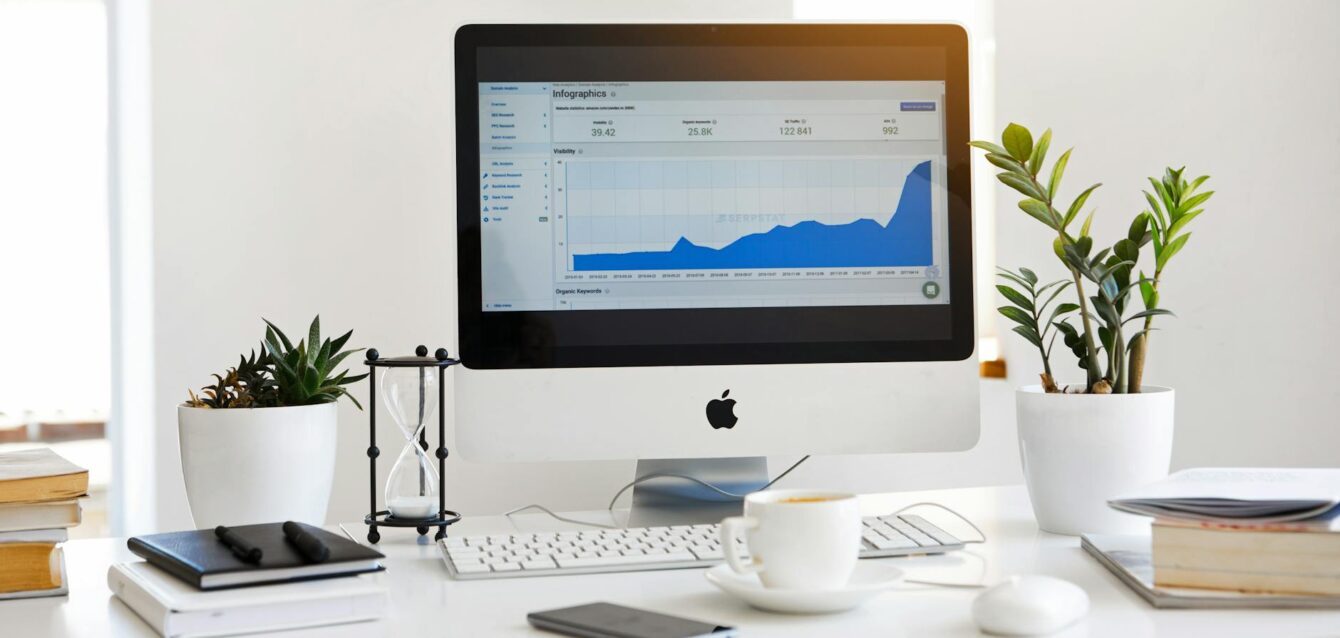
(507, 567)
(604, 561)
(942, 537)
(472, 568)
(899, 542)
(921, 539)
(539, 563)
(707, 554)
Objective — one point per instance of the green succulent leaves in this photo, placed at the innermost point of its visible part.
(306, 373)
(284, 374)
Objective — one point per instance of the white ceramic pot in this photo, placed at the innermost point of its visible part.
(1078, 450)
(258, 465)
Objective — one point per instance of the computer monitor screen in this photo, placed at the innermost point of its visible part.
(695, 194)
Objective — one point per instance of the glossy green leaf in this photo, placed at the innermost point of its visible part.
(1172, 249)
(1139, 230)
(1015, 278)
(1039, 153)
(1018, 316)
(1005, 162)
(1183, 221)
(1031, 276)
(1058, 169)
(1040, 211)
(1029, 335)
(1017, 298)
(1126, 250)
(1078, 204)
(1022, 184)
(1061, 309)
(1147, 292)
(1018, 141)
(989, 147)
(1152, 312)
(1191, 203)
(1160, 220)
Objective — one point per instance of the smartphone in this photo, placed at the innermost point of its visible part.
(606, 620)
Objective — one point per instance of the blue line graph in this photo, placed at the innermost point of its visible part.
(904, 240)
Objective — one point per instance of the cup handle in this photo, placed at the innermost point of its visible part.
(730, 530)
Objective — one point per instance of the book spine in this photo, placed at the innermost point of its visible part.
(164, 562)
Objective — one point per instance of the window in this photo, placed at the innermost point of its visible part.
(54, 282)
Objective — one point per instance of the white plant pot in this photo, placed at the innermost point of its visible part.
(258, 465)
(1079, 450)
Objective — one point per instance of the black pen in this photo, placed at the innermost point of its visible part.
(308, 544)
(242, 549)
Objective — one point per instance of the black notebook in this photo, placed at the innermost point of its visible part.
(197, 557)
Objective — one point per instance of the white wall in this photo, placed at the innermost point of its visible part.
(303, 164)
(1248, 93)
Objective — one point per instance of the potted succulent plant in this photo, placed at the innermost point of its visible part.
(258, 445)
(1082, 443)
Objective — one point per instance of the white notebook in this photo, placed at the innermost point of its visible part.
(175, 609)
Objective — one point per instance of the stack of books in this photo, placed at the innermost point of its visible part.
(39, 501)
(1268, 532)
(195, 583)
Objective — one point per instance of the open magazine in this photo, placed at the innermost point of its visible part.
(1294, 497)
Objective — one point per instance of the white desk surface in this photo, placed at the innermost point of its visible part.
(424, 601)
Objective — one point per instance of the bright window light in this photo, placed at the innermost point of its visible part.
(54, 331)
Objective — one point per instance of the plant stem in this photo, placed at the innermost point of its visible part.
(1141, 347)
(1093, 374)
(1118, 361)
(1048, 382)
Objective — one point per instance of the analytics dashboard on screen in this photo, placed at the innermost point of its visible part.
(639, 195)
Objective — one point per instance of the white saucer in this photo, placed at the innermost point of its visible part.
(868, 580)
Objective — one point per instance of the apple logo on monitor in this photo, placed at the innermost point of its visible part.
(721, 412)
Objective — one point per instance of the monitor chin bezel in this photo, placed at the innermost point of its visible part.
(719, 336)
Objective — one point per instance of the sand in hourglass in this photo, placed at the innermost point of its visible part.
(413, 506)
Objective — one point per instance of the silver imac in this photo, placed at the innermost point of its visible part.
(696, 245)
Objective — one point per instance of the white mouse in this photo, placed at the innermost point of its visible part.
(1029, 605)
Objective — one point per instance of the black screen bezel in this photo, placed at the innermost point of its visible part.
(829, 334)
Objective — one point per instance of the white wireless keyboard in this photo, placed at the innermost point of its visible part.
(647, 548)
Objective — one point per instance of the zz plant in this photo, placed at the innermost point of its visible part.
(284, 374)
(1112, 354)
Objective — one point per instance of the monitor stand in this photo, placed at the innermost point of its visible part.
(675, 501)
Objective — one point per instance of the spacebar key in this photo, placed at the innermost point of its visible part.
(610, 561)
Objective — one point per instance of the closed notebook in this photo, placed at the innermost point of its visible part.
(30, 476)
(177, 610)
(198, 558)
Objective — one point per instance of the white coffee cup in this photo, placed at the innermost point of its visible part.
(797, 539)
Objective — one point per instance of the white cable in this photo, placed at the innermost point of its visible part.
(648, 477)
(951, 510)
(534, 506)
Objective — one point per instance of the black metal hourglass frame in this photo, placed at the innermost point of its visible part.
(383, 518)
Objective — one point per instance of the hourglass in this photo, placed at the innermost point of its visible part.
(414, 490)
